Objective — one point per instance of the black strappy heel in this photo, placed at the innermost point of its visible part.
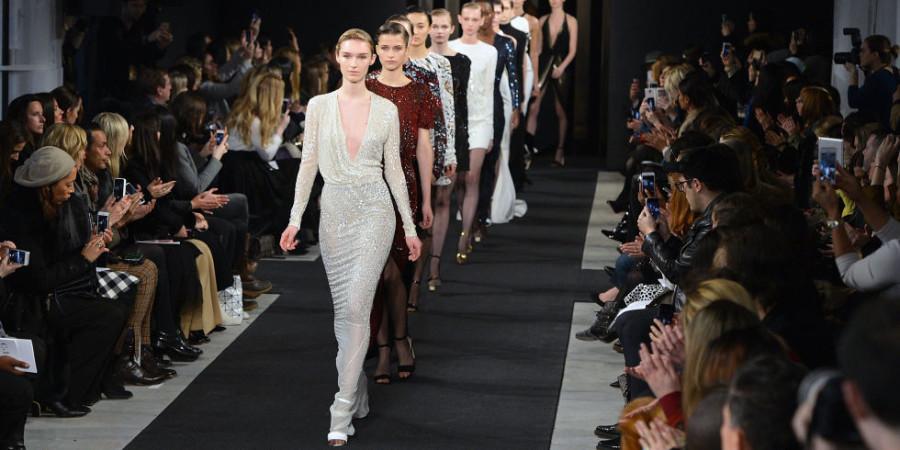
(408, 369)
(384, 378)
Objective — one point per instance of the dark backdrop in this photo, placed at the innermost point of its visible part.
(630, 29)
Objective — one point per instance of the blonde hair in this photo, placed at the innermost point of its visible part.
(711, 290)
(294, 57)
(71, 138)
(442, 12)
(674, 75)
(116, 129)
(713, 320)
(262, 99)
(355, 34)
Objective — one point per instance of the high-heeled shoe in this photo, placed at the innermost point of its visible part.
(434, 282)
(463, 256)
(410, 306)
(409, 369)
(384, 378)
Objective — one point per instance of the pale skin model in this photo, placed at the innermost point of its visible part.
(534, 27)
(441, 29)
(392, 53)
(556, 18)
(470, 20)
(421, 29)
(354, 56)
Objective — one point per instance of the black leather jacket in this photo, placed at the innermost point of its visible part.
(674, 266)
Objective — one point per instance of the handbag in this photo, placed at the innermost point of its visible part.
(112, 283)
(231, 301)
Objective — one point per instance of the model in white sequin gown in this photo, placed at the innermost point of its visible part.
(355, 231)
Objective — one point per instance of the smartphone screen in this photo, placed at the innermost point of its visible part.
(648, 183)
(102, 221)
(726, 48)
(653, 207)
(220, 136)
(666, 313)
(830, 155)
(119, 188)
(17, 256)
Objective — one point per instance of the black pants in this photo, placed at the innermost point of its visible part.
(16, 395)
(222, 240)
(89, 328)
(633, 328)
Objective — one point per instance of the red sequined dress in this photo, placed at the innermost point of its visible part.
(409, 100)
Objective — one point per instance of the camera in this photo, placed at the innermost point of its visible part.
(21, 257)
(853, 55)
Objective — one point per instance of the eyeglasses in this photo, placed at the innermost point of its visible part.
(680, 185)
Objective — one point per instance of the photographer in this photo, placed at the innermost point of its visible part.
(875, 95)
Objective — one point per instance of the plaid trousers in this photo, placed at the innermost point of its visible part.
(139, 319)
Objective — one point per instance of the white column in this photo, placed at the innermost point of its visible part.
(35, 43)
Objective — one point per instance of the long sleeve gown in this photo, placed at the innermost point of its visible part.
(355, 231)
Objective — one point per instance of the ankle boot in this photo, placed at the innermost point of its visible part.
(173, 346)
(130, 371)
(153, 365)
(113, 386)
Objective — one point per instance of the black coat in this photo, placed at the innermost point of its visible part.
(56, 260)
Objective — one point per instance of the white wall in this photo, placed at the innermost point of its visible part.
(871, 17)
(35, 43)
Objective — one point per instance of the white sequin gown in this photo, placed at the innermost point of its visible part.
(355, 231)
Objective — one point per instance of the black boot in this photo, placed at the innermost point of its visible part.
(155, 365)
(600, 328)
(173, 346)
(130, 371)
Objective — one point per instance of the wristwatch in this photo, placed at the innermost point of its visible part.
(832, 223)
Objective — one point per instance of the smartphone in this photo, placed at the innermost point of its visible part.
(666, 313)
(650, 96)
(119, 188)
(17, 256)
(285, 105)
(648, 183)
(724, 18)
(726, 48)
(831, 153)
(662, 98)
(220, 136)
(102, 221)
(653, 207)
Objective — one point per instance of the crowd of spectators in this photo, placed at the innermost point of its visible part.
(747, 261)
(144, 220)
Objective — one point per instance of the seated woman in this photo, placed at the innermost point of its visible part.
(199, 155)
(13, 138)
(166, 259)
(172, 218)
(62, 266)
(16, 391)
(256, 125)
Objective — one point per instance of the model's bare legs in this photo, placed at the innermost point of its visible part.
(533, 110)
(441, 201)
(470, 203)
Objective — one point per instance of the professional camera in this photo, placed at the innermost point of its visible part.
(853, 55)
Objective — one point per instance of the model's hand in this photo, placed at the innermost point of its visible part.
(557, 73)
(450, 170)
(514, 120)
(289, 238)
(427, 217)
(414, 245)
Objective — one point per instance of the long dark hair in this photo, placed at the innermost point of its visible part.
(12, 133)
(168, 143)
(17, 111)
(145, 144)
(189, 109)
(48, 103)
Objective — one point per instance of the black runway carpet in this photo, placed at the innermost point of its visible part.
(491, 348)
